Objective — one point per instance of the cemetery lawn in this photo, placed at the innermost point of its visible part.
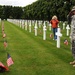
(34, 56)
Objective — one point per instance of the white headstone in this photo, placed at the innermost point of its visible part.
(26, 23)
(63, 25)
(44, 32)
(30, 27)
(68, 28)
(36, 28)
(50, 26)
(58, 37)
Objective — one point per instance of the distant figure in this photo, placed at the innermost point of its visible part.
(71, 22)
(54, 22)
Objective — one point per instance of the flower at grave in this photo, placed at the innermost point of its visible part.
(51, 35)
(5, 44)
(66, 42)
(4, 35)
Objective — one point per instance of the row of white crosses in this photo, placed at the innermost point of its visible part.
(24, 23)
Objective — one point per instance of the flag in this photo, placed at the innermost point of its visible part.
(9, 60)
(3, 68)
(1, 64)
(66, 42)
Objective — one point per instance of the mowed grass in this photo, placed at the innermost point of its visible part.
(34, 56)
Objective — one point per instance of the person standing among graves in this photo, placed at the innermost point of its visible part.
(71, 22)
(54, 22)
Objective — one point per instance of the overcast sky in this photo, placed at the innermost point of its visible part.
(17, 2)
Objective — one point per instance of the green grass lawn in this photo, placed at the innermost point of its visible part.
(34, 56)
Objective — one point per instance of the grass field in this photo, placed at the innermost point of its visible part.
(34, 56)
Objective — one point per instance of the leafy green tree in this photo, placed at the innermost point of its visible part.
(17, 12)
(1, 11)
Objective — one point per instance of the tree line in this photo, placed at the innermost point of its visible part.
(10, 12)
(39, 10)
